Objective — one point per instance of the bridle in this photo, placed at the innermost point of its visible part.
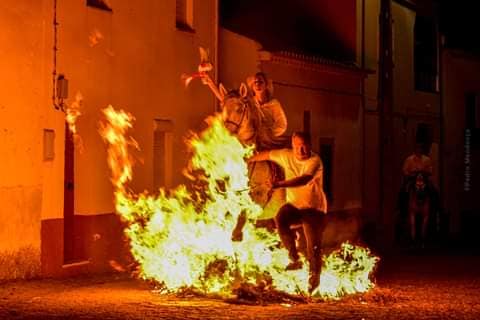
(242, 117)
(419, 188)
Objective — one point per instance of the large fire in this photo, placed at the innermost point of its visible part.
(182, 238)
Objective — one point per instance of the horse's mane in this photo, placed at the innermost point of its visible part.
(234, 93)
(248, 100)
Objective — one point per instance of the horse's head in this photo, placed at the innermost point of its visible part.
(237, 113)
(418, 186)
(420, 182)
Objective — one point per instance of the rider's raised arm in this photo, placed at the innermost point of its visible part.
(208, 81)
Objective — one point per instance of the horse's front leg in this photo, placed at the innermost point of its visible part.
(237, 233)
(412, 222)
(301, 240)
(425, 219)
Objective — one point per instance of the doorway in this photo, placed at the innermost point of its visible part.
(68, 199)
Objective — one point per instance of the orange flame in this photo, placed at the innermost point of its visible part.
(119, 159)
(72, 112)
(183, 239)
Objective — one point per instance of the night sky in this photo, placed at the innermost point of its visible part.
(290, 25)
(460, 24)
(283, 25)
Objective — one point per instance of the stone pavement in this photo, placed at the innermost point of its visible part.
(409, 286)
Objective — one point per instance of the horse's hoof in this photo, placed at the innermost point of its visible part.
(237, 237)
(294, 265)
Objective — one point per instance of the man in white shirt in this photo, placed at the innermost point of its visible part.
(417, 162)
(414, 164)
(306, 202)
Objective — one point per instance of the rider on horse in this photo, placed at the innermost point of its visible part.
(417, 167)
(273, 122)
(417, 162)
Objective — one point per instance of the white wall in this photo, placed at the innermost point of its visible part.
(136, 66)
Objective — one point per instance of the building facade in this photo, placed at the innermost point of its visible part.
(58, 211)
(402, 101)
(461, 139)
(384, 84)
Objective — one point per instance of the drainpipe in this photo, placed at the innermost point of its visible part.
(55, 49)
(216, 107)
(385, 93)
(362, 102)
(441, 164)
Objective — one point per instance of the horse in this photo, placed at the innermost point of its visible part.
(239, 115)
(242, 119)
(419, 201)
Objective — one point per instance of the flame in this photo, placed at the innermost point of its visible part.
(119, 160)
(347, 271)
(182, 238)
(72, 113)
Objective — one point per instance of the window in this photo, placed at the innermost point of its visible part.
(184, 15)
(48, 144)
(162, 154)
(99, 4)
(326, 154)
(424, 136)
(425, 54)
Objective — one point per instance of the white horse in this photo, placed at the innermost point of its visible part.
(241, 117)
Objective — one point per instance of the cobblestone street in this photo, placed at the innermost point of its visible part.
(427, 286)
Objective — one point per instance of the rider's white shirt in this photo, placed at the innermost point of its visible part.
(273, 117)
(310, 195)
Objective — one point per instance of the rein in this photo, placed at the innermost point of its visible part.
(237, 125)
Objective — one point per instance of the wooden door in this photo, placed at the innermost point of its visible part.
(68, 198)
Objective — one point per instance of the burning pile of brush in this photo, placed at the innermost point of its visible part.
(181, 238)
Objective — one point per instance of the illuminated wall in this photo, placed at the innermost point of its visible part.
(367, 28)
(238, 58)
(461, 77)
(131, 57)
(29, 184)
